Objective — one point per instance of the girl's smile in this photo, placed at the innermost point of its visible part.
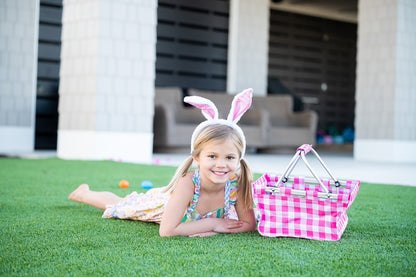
(218, 161)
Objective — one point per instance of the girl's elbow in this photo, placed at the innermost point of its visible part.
(163, 232)
(250, 227)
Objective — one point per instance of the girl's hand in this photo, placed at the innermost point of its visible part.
(228, 226)
(224, 226)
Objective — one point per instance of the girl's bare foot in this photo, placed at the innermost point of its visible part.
(77, 195)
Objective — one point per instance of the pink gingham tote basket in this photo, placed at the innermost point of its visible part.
(311, 208)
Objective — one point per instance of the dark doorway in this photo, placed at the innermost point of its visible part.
(315, 59)
(49, 49)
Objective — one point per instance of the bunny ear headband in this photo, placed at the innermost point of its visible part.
(241, 103)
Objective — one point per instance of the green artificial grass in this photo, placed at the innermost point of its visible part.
(44, 234)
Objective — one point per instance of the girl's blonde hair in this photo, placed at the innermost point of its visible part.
(212, 133)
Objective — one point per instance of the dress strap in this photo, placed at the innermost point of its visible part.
(197, 186)
(227, 198)
(230, 197)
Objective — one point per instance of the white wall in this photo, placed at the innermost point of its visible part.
(248, 44)
(107, 80)
(18, 67)
(385, 93)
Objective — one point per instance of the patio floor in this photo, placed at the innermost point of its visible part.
(341, 164)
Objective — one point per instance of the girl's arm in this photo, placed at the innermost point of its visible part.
(246, 222)
(175, 209)
(246, 216)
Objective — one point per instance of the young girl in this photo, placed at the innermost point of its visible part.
(214, 198)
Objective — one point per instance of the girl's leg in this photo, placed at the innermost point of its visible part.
(98, 199)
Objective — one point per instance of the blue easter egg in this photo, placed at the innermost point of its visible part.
(147, 184)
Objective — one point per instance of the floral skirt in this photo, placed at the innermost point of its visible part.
(147, 206)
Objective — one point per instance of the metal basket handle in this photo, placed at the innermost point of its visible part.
(300, 153)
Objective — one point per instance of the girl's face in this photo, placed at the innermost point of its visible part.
(217, 162)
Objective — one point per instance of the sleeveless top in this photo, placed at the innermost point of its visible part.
(150, 206)
(230, 198)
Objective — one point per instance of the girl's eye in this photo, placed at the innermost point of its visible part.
(231, 157)
(211, 156)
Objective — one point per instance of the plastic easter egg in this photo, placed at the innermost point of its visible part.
(124, 184)
(338, 140)
(328, 140)
(146, 184)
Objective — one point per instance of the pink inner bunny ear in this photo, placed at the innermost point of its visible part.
(208, 109)
(240, 105)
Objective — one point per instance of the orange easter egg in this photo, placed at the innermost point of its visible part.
(124, 184)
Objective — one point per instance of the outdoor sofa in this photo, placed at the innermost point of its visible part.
(270, 124)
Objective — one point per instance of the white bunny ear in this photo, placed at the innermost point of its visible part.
(241, 103)
(208, 109)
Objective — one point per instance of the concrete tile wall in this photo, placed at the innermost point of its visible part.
(108, 65)
(248, 46)
(107, 80)
(18, 56)
(376, 70)
(386, 70)
(405, 96)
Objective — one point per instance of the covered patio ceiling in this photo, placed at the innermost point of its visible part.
(342, 10)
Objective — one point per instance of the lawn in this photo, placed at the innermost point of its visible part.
(44, 234)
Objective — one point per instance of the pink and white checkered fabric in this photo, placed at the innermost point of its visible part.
(287, 215)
